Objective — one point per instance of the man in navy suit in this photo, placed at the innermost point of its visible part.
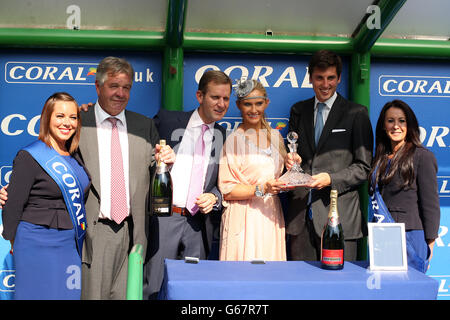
(337, 152)
(189, 231)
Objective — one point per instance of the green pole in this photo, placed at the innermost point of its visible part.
(175, 22)
(363, 41)
(172, 79)
(360, 93)
(172, 73)
(135, 273)
(360, 78)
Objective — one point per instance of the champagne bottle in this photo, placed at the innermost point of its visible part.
(332, 244)
(161, 189)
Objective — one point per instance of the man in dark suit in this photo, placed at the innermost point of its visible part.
(335, 144)
(189, 231)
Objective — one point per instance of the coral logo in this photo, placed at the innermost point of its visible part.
(5, 173)
(50, 73)
(444, 186)
(15, 124)
(92, 72)
(7, 280)
(443, 285)
(231, 123)
(280, 125)
(414, 86)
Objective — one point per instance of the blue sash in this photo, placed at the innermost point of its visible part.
(63, 174)
(379, 213)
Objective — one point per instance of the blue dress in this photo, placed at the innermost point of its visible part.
(47, 263)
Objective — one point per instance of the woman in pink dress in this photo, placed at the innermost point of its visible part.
(252, 161)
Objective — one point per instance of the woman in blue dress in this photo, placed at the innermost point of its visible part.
(44, 217)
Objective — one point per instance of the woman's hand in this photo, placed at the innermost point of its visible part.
(3, 196)
(274, 186)
(290, 159)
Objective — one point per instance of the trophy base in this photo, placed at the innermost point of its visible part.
(294, 178)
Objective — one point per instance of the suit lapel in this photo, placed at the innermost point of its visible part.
(89, 146)
(134, 138)
(308, 124)
(182, 122)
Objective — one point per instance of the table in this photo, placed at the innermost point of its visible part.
(291, 280)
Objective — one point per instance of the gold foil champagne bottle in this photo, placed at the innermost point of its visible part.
(332, 245)
(161, 189)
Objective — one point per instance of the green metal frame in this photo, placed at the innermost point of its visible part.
(172, 68)
(412, 48)
(365, 38)
(81, 39)
(362, 43)
(262, 43)
(360, 93)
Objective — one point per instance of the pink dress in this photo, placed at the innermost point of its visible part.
(252, 228)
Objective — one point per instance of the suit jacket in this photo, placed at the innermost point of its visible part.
(344, 151)
(417, 206)
(142, 136)
(35, 197)
(169, 121)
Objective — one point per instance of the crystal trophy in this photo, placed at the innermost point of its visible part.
(295, 176)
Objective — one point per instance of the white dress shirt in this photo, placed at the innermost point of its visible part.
(182, 168)
(326, 110)
(104, 127)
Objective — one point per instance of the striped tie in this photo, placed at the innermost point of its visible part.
(119, 208)
(196, 183)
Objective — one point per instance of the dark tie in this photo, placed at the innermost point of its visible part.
(196, 183)
(319, 122)
(119, 208)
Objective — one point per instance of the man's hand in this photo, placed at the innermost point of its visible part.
(165, 154)
(206, 202)
(320, 181)
(85, 107)
(3, 196)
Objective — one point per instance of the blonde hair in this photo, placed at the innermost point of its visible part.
(264, 124)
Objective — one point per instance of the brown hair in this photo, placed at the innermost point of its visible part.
(46, 114)
(403, 159)
(323, 59)
(215, 76)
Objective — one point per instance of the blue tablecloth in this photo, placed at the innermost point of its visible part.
(290, 280)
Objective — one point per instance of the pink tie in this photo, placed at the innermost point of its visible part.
(119, 208)
(196, 182)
